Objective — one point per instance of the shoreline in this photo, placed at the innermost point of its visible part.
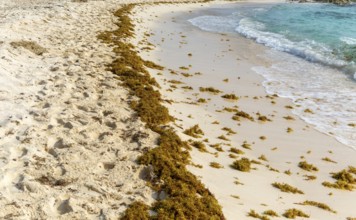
(174, 41)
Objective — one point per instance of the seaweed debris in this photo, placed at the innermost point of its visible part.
(187, 197)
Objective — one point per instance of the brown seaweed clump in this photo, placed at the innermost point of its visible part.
(243, 165)
(199, 145)
(344, 180)
(318, 205)
(307, 166)
(194, 131)
(284, 187)
(242, 114)
(293, 213)
(216, 165)
(271, 213)
(230, 96)
(209, 89)
(252, 213)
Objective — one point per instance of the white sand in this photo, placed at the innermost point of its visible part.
(65, 126)
(218, 57)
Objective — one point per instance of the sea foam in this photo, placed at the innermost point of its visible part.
(307, 49)
(348, 40)
(329, 94)
(314, 58)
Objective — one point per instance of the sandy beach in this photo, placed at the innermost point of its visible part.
(70, 140)
(66, 129)
(195, 59)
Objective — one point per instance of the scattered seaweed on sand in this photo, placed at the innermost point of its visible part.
(187, 197)
(196, 165)
(209, 89)
(284, 187)
(272, 169)
(288, 172)
(222, 137)
(271, 213)
(309, 177)
(226, 109)
(200, 146)
(216, 165)
(352, 169)
(236, 151)
(289, 118)
(327, 159)
(263, 157)
(308, 111)
(184, 68)
(237, 182)
(246, 145)
(256, 162)
(230, 97)
(339, 185)
(252, 213)
(217, 147)
(344, 180)
(233, 156)
(244, 165)
(194, 131)
(187, 87)
(201, 100)
(173, 72)
(307, 166)
(318, 205)
(293, 213)
(262, 118)
(228, 130)
(186, 74)
(242, 114)
(173, 81)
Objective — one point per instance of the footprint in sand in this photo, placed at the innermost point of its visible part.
(53, 152)
(111, 124)
(24, 152)
(104, 134)
(106, 166)
(23, 185)
(60, 144)
(64, 206)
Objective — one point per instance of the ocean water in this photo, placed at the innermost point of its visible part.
(313, 51)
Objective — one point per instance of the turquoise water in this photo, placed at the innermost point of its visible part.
(313, 56)
(322, 33)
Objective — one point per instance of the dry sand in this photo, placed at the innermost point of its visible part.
(217, 57)
(68, 138)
